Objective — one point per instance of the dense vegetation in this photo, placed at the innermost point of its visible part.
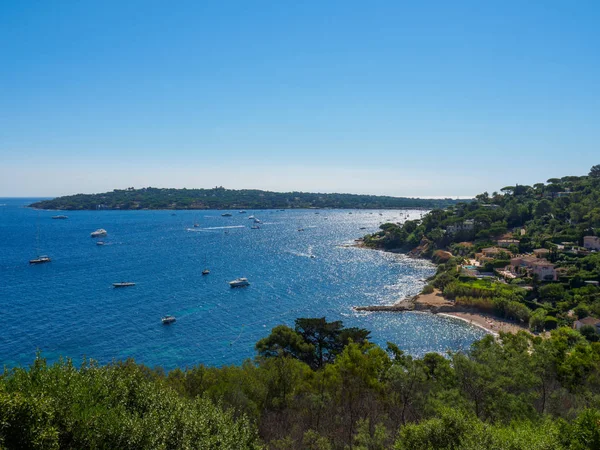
(553, 216)
(221, 198)
(320, 386)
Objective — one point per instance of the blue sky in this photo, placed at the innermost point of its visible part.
(432, 98)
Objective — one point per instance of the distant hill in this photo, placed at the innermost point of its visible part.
(221, 198)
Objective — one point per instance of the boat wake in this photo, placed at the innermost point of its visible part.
(214, 228)
(303, 255)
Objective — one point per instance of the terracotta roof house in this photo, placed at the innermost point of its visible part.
(541, 252)
(544, 270)
(587, 321)
(508, 242)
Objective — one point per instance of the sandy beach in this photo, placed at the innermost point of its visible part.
(436, 303)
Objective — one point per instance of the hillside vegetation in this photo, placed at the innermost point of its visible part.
(221, 198)
(319, 386)
(545, 224)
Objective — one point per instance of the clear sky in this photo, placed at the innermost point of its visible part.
(407, 98)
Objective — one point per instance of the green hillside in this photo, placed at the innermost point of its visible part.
(221, 198)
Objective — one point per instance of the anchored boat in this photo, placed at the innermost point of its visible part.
(123, 284)
(239, 282)
(99, 232)
(40, 260)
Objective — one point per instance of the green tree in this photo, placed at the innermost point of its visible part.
(595, 171)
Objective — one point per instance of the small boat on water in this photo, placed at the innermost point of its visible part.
(40, 260)
(99, 232)
(239, 282)
(257, 220)
(205, 272)
(100, 243)
(196, 225)
(60, 217)
(242, 212)
(166, 320)
(251, 217)
(123, 284)
(226, 215)
(300, 229)
(363, 228)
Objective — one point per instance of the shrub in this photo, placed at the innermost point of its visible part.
(550, 323)
(428, 289)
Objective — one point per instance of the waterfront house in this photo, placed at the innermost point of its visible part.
(587, 321)
(591, 242)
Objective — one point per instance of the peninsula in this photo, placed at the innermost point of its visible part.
(221, 198)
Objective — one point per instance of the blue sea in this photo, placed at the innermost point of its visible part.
(68, 307)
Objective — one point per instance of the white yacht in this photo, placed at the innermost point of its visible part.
(123, 284)
(40, 260)
(239, 282)
(166, 320)
(205, 272)
(99, 232)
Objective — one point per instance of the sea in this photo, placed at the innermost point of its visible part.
(299, 263)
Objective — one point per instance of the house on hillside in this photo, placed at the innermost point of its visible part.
(491, 253)
(505, 243)
(467, 225)
(541, 252)
(591, 242)
(544, 270)
(587, 321)
(532, 265)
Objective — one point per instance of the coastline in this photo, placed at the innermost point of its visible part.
(435, 303)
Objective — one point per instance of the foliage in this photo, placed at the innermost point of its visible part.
(115, 406)
(221, 198)
(516, 391)
(555, 216)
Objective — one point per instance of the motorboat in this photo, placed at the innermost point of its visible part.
(257, 220)
(99, 232)
(123, 284)
(166, 320)
(205, 272)
(239, 282)
(100, 243)
(300, 229)
(251, 217)
(196, 225)
(60, 217)
(242, 212)
(40, 260)
(226, 215)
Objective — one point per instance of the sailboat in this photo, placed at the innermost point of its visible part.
(41, 259)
